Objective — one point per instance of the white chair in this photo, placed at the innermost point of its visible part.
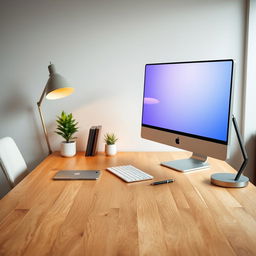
(11, 161)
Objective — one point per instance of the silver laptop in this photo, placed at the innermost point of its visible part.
(77, 175)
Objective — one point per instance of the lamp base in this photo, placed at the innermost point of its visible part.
(227, 180)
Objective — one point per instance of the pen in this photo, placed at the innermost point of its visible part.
(162, 182)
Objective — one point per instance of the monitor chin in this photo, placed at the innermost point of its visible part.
(199, 147)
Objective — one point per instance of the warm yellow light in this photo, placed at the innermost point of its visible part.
(59, 93)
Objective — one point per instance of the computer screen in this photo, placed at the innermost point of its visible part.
(190, 99)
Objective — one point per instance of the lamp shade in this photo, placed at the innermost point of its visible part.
(57, 87)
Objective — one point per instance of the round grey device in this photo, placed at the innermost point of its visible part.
(227, 180)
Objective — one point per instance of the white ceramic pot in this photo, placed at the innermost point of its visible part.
(68, 149)
(110, 150)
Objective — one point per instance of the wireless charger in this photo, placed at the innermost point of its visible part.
(231, 180)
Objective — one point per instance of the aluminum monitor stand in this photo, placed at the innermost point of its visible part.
(195, 162)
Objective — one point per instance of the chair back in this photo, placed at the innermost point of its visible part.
(12, 161)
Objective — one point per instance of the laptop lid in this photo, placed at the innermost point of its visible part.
(77, 175)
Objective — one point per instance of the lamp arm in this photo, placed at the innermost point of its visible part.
(42, 120)
(242, 147)
(42, 96)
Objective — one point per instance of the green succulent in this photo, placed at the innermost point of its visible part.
(66, 126)
(110, 138)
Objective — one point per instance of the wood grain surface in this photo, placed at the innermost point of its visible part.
(110, 217)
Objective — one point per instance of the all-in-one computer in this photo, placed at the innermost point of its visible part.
(188, 105)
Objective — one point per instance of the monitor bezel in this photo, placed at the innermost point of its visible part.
(188, 134)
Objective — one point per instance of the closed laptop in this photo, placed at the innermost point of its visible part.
(77, 175)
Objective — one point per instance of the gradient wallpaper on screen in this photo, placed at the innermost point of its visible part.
(192, 98)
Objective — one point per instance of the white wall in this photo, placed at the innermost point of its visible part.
(250, 92)
(101, 47)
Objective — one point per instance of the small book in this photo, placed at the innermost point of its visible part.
(90, 141)
(96, 139)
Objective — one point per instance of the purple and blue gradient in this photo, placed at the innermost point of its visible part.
(192, 98)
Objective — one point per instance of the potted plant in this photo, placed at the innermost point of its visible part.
(110, 147)
(66, 127)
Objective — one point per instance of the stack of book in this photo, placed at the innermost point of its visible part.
(92, 142)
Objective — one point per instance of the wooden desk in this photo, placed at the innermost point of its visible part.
(110, 217)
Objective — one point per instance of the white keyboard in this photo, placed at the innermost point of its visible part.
(129, 173)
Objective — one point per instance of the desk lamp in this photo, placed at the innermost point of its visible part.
(55, 88)
(231, 180)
